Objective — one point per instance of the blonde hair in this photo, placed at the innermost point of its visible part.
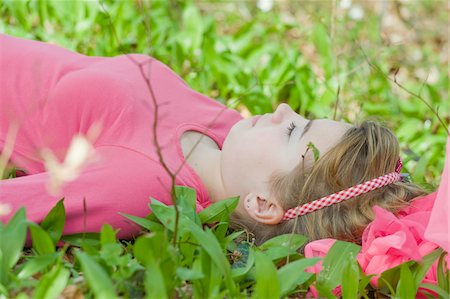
(366, 151)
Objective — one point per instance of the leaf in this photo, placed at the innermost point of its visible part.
(12, 237)
(187, 201)
(315, 150)
(164, 213)
(54, 221)
(143, 222)
(155, 286)
(93, 239)
(293, 241)
(215, 212)
(151, 251)
(335, 262)
(293, 274)
(51, 284)
(350, 281)
(443, 274)
(36, 264)
(107, 235)
(42, 242)
(419, 270)
(96, 277)
(267, 284)
(389, 278)
(438, 290)
(406, 287)
(188, 274)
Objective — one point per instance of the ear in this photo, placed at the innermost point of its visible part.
(263, 209)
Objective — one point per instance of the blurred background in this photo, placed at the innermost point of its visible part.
(342, 59)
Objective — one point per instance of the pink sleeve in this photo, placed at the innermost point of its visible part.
(121, 181)
(438, 228)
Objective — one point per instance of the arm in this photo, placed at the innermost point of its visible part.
(121, 181)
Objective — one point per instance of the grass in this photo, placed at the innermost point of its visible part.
(321, 57)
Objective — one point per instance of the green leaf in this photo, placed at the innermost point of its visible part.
(267, 284)
(52, 284)
(12, 238)
(42, 242)
(293, 274)
(107, 235)
(93, 239)
(293, 241)
(36, 264)
(188, 274)
(143, 222)
(164, 213)
(54, 221)
(350, 281)
(215, 212)
(406, 287)
(149, 247)
(335, 262)
(152, 251)
(419, 270)
(443, 274)
(187, 201)
(155, 285)
(96, 277)
(389, 278)
(438, 290)
(315, 150)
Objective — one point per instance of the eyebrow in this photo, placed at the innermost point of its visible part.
(307, 127)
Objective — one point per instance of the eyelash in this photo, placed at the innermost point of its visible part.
(290, 128)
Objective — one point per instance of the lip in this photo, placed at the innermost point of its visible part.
(255, 120)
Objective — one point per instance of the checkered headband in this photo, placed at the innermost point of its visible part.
(345, 194)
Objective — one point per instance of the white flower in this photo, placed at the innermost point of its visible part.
(356, 12)
(345, 4)
(265, 5)
(5, 209)
(79, 154)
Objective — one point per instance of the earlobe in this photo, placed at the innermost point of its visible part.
(263, 209)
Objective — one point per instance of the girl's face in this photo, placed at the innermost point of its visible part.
(258, 147)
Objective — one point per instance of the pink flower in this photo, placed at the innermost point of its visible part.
(389, 240)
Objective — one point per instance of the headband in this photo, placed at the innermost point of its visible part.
(345, 194)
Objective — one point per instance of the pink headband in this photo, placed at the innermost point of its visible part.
(345, 194)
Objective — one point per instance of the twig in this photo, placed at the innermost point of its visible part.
(417, 96)
(336, 103)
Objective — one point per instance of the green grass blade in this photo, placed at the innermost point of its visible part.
(267, 284)
(42, 242)
(52, 284)
(96, 277)
(293, 274)
(54, 221)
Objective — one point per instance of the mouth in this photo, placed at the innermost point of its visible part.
(255, 120)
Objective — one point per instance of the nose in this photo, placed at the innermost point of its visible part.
(281, 112)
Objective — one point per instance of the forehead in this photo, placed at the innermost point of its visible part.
(325, 133)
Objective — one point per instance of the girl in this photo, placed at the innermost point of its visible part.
(152, 126)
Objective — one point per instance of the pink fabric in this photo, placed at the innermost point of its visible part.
(438, 228)
(52, 93)
(390, 240)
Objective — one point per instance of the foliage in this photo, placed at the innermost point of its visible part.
(311, 54)
(315, 55)
(205, 262)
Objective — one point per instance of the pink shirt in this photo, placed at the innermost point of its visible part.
(52, 93)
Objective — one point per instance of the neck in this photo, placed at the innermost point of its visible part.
(209, 171)
(205, 158)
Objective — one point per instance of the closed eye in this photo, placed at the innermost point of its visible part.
(291, 128)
